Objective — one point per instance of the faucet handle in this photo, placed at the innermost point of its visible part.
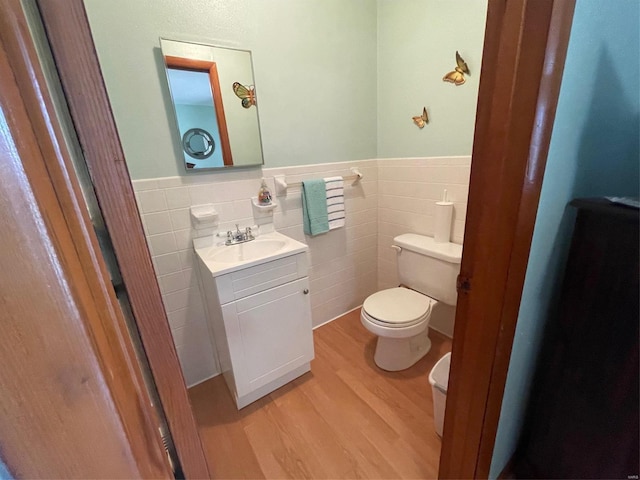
(247, 231)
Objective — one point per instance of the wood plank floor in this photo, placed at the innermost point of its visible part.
(344, 419)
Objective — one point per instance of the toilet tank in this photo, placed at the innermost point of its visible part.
(429, 267)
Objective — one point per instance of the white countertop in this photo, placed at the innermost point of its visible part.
(221, 259)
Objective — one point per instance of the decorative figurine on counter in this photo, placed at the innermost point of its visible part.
(247, 94)
(423, 119)
(457, 76)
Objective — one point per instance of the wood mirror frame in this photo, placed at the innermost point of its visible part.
(211, 69)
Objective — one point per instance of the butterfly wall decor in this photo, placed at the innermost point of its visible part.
(246, 94)
(423, 119)
(457, 76)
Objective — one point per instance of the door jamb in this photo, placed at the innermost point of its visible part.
(72, 386)
(69, 36)
(525, 48)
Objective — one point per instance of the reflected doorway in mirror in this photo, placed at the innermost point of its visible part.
(196, 98)
(205, 83)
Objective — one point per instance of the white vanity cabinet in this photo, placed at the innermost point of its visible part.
(261, 321)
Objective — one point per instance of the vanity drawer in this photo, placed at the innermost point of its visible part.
(237, 285)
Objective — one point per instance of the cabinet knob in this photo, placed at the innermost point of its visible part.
(305, 291)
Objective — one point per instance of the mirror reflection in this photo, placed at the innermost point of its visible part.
(198, 144)
(214, 99)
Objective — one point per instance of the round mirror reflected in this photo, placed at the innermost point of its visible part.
(198, 143)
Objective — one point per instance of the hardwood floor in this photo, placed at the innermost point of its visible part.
(344, 419)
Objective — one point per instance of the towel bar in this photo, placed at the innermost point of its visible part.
(282, 185)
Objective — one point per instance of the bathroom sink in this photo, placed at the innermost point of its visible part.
(221, 259)
(247, 251)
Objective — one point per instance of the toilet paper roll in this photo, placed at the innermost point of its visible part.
(442, 227)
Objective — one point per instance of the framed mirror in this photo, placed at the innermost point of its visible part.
(215, 103)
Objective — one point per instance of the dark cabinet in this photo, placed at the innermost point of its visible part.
(582, 419)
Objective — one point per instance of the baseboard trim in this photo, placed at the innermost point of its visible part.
(337, 317)
(441, 332)
(203, 380)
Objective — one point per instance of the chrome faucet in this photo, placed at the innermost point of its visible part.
(239, 236)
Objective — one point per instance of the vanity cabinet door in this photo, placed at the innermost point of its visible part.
(269, 334)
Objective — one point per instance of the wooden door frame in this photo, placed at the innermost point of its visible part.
(72, 388)
(524, 51)
(211, 69)
(523, 60)
(69, 36)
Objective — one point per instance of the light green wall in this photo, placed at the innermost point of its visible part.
(417, 41)
(314, 65)
(336, 80)
(594, 152)
(232, 65)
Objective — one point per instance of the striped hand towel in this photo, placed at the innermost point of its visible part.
(335, 201)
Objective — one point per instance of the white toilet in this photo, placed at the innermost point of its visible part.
(400, 316)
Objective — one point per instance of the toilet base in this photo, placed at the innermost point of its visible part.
(394, 354)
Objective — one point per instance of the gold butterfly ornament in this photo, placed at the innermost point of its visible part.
(246, 94)
(423, 119)
(457, 76)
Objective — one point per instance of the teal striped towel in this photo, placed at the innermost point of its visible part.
(314, 207)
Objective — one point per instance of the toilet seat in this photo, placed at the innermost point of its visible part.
(397, 308)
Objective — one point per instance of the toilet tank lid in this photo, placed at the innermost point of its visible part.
(449, 252)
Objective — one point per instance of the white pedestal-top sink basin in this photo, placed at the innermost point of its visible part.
(258, 248)
(221, 259)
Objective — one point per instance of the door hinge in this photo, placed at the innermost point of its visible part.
(463, 284)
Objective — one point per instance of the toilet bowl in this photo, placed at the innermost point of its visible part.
(399, 316)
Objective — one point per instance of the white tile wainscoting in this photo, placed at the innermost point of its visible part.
(407, 191)
(343, 262)
(346, 265)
